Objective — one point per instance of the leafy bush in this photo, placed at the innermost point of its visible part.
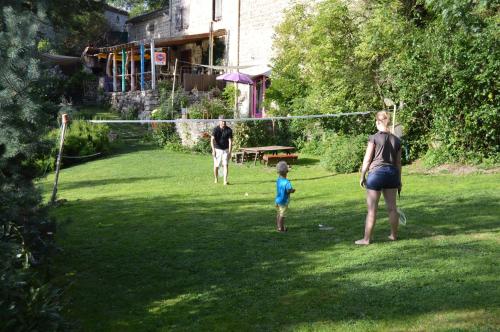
(344, 154)
(168, 110)
(203, 144)
(209, 108)
(258, 133)
(129, 113)
(228, 95)
(26, 304)
(174, 144)
(164, 133)
(83, 138)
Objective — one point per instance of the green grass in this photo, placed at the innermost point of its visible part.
(150, 243)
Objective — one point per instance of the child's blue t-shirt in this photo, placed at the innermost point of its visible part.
(282, 187)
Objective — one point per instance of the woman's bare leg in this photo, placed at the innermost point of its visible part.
(372, 198)
(390, 203)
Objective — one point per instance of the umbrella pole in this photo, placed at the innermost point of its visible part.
(235, 99)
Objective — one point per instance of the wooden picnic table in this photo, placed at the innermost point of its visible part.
(260, 150)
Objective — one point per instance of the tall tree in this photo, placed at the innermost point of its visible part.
(137, 7)
(75, 24)
(25, 230)
(438, 58)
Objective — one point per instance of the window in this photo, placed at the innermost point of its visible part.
(181, 18)
(216, 10)
(150, 27)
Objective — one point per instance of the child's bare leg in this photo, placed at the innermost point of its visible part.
(278, 221)
(281, 223)
(372, 198)
(390, 202)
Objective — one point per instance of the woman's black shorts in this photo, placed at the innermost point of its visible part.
(384, 177)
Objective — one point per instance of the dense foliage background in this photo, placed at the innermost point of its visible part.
(439, 60)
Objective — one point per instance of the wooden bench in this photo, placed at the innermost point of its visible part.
(237, 157)
(275, 158)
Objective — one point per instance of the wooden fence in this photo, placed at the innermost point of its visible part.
(202, 82)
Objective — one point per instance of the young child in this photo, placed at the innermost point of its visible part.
(283, 191)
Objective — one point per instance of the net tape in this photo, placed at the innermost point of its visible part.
(315, 116)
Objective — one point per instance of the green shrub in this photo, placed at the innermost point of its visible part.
(344, 154)
(27, 304)
(164, 133)
(129, 113)
(436, 156)
(228, 95)
(81, 139)
(203, 144)
(174, 144)
(209, 108)
(180, 99)
(84, 138)
(259, 133)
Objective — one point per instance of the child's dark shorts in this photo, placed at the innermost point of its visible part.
(385, 177)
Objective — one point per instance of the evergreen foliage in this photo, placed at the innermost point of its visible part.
(138, 7)
(26, 232)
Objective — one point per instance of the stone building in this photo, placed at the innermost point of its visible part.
(117, 22)
(222, 35)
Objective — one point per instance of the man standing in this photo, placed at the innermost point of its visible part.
(221, 142)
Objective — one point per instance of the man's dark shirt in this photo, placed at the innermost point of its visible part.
(221, 137)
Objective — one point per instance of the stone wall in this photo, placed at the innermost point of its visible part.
(191, 132)
(143, 101)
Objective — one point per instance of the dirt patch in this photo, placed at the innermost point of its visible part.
(418, 167)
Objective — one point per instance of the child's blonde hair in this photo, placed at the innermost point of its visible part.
(384, 117)
(282, 168)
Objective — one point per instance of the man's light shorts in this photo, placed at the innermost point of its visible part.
(221, 157)
(282, 210)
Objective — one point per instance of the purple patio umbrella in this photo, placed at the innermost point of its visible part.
(235, 77)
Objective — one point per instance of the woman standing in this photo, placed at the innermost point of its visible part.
(383, 160)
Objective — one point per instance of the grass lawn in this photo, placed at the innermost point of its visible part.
(150, 243)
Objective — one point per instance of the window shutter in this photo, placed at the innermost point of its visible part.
(178, 18)
(185, 17)
(217, 10)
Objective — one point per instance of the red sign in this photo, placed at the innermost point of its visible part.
(160, 58)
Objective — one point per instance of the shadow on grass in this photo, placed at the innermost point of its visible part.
(130, 146)
(306, 161)
(105, 182)
(188, 264)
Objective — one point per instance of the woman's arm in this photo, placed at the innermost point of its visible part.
(370, 148)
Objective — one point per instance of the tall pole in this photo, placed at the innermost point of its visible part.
(238, 47)
(124, 68)
(65, 120)
(153, 67)
(173, 87)
(142, 67)
(236, 100)
(115, 83)
(211, 48)
(132, 70)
